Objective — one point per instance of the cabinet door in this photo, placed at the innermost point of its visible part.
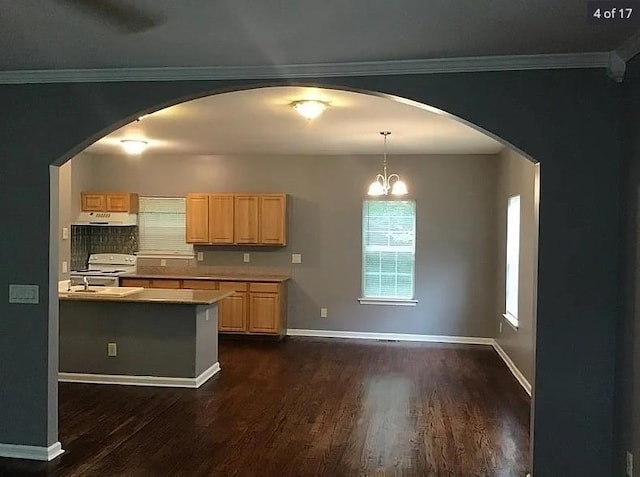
(273, 215)
(221, 218)
(122, 202)
(264, 311)
(197, 218)
(246, 217)
(232, 313)
(93, 202)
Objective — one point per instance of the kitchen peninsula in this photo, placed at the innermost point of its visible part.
(153, 337)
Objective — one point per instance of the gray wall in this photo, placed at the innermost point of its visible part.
(455, 251)
(569, 120)
(517, 177)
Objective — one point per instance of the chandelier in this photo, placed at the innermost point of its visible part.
(383, 183)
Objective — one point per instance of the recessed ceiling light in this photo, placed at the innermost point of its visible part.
(309, 108)
(134, 146)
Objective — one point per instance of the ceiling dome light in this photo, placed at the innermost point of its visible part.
(134, 146)
(309, 108)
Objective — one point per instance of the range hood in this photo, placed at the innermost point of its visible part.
(107, 219)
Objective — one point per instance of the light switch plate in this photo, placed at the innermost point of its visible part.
(200, 256)
(246, 258)
(26, 294)
(65, 233)
(296, 258)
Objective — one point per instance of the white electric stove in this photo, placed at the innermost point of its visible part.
(105, 269)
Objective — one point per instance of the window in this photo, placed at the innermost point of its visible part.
(513, 255)
(161, 224)
(388, 250)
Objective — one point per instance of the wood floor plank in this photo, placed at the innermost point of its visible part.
(304, 407)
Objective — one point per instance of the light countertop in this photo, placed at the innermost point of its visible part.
(210, 273)
(157, 295)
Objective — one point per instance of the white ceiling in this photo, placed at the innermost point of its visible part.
(37, 34)
(261, 121)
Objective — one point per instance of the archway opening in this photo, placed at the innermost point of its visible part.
(458, 238)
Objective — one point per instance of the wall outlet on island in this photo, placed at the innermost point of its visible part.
(246, 257)
(296, 258)
(500, 327)
(324, 312)
(112, 349)
(65, 267)
(163, 262)
(200, 256)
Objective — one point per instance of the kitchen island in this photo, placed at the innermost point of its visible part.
(153, 337)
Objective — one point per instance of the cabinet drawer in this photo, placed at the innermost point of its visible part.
(165, 283)
(234, 286)
(135, 282)
(200, 284)
(264, 287)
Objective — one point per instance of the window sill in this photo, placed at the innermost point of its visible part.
(387, 301)
(183, 256)
(512, 320)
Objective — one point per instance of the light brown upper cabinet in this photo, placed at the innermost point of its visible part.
(109, 202)
(221, 215)
(237, 219)
(246, 217)
(273, 217)
(197, 218)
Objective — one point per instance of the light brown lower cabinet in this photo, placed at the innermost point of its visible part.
(254, 307)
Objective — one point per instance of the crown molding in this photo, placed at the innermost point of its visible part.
(326, 70)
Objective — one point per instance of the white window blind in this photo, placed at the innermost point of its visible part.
(388, 249)
(161, 225)
(513, 257)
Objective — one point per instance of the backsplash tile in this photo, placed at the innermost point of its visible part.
(86, 239)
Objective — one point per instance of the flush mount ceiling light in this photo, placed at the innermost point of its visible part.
(383, 183)
(133, 146)
(309, 108)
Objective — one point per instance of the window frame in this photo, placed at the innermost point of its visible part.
(365, 300)
(512, 279)
(182, 254)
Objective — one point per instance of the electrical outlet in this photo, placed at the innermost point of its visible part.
(296, 258)
(65, 267)
(112, 349)
(163, 262)
(200, 256)
(65, 233)
(500, 326)
(323, 312)
(246, 258)
(629, 464)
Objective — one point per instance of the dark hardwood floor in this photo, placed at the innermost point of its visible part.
(304, 407)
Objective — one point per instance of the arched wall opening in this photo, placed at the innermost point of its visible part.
(578, 268)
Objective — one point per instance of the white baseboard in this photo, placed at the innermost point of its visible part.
(423, 338)
(129, 380)
(390, 336)
(15, 451)
(512, 367)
